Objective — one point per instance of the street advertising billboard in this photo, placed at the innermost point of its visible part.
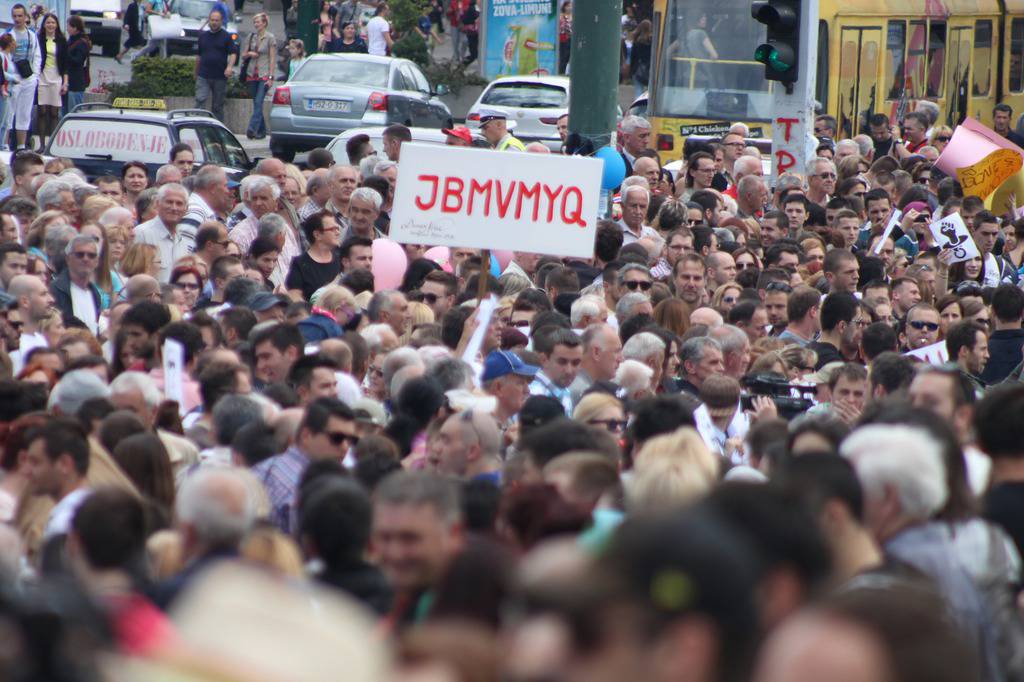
(522, 38)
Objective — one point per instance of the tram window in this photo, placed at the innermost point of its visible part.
(936, 57)
(1017, 55)
(895, 47)
(981, 64)
(917, 74)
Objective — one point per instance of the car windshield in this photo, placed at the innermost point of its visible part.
(194, 9)
(527, 96)
(347, 71)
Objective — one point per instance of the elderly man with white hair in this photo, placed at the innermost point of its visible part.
(735, 349)
(821, 180)
(649, 349)
(163, 231)
(635, 201)
(364, 207)
(139, 393)
(635, 378)
(635, 133)
(167, 174)
(56, 195)
(846, 148)
(260, 194)
(902, 470)
(631, 305)
(215, 509)
(74, 389)
(587, 310)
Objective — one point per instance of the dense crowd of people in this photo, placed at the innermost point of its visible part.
(244, 435)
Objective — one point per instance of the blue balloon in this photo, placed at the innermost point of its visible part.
(495, 267)
(614, 167)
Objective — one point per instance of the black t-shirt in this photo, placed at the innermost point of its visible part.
(214, 49)
(826, 353)
(1004, 506)
(308, 275)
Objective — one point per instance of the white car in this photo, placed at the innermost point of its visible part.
(532, 103)
(431, 136)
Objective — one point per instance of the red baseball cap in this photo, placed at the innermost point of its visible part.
(460, 132)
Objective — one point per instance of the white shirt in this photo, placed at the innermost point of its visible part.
(25, 346)
(84, 307)
(628, 236)
(171, 247)
(376, 28)
(62, 514)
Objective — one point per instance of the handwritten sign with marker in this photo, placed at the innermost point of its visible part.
(452, 196)
(951, 234)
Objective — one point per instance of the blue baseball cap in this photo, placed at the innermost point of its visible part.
(501, 363)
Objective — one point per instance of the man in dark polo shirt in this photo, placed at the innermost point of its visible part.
(217, 53)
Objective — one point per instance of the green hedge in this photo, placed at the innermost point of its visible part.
(156, 77)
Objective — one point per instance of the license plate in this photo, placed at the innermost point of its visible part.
(338, 105)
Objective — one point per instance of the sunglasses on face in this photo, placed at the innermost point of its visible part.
(942, 138)
(85, 254)
(827, 176)
(728, 299)
(187, 286)
(429, 299)
(337, 438)
(635, 284)
(614, 425)
(921, 325)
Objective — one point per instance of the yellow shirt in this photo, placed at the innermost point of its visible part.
(51, 54)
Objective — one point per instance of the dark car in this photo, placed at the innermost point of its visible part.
(330, 93)
(100, 138)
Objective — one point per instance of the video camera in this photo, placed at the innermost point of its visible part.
(780, 390)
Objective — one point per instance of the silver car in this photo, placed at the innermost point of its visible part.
(534, 103)
(331, 93)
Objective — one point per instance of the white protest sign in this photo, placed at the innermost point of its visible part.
(481, 199)
(484, 312)
(162, 28)
(935, 354)
(894, 220)
(950, 234)
(174, 372)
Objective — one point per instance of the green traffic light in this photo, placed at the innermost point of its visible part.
(772, 57)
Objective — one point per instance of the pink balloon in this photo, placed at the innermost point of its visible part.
(503, 257)
(389, 264)
(440, 255)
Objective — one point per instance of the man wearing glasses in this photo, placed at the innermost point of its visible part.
(678, 243)
(922, 327)
(327, 430)
(821, 180)
(732, 147)
(74, 292)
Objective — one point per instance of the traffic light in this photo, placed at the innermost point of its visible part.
(780, 53)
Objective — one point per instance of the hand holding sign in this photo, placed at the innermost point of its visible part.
(894, 220)
(950, 234)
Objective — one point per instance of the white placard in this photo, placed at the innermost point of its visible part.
(164, 28)
(894, 220)
(174, 372)
(484, 312)
(935, 354)
(482, 199)
(951, 234)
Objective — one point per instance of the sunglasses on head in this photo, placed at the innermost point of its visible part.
(921, 325)
(635, 284)
(779, 286)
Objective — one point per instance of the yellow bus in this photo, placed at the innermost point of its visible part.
(874, 56)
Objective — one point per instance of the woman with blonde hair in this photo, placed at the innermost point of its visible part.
(800, 360)
(672, 470)
(141, 259)
(940, 137)
(814, 250)
(272, 550)
(108, 280)
(52, 327)
(725, 297)
(771, 361)
(850, 167)
(95, 206)
(673, 314)
(419, 313)
(602, 410)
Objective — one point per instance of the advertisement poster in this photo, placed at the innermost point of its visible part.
(522, 38)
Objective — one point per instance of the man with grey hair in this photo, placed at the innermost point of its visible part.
(73, 389)
(846, 148)
(389, 307)
(587, 310)
(75, 293)
(56, 243)
(631, 305)
(469, 448)
(210, 199)
(635, 200)
(215, 509)
(636, 137)
(821, 180)
(398, 359)
(343, 181)
(139, 393)
(751, 196)
(167, 174)
(649, 349)
(380, 338)
(318, 193)
(602, 353)
(141, 288)
(902, 470)
(699, 358)
(57, 195)
(364, 207)
(171, 240)
(417, 529)
(735, 349)
(633, 277)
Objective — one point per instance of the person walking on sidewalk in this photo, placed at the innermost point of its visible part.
(79, 47)
(28, 60)
(216, 63)
(53, 81)
(262, 57)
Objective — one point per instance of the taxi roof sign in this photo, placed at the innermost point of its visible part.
(139, 103)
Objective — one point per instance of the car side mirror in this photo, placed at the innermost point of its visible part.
(441, 90)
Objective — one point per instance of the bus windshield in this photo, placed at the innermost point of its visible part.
(707, 68)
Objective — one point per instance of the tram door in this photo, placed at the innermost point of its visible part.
(859, 95)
